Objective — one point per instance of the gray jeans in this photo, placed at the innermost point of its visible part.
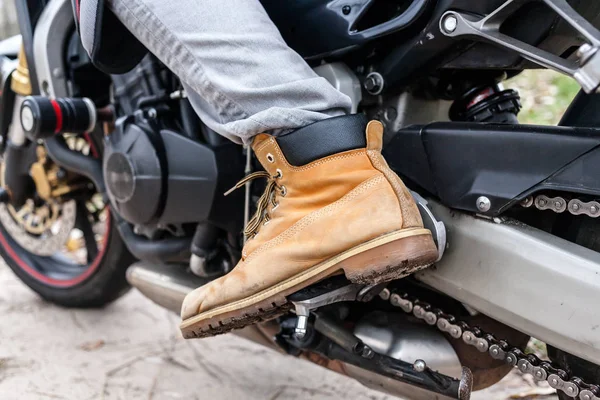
(241, 77)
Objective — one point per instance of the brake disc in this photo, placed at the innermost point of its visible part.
(54, 236)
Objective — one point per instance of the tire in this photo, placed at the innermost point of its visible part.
(102, 282)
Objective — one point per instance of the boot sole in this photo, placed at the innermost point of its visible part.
(383, 259)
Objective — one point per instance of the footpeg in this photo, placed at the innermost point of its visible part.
(328, 292)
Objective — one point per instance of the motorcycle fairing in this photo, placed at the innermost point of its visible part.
(459, 162)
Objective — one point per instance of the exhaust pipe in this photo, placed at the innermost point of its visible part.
(166, 285)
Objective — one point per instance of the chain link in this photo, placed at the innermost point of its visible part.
(541, 370)
(560, 205)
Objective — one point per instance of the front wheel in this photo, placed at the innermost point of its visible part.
(88, 271)
(65, 247)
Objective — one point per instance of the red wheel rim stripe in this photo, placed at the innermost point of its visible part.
(57, 282)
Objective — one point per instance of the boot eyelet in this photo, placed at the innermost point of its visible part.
(279, 174)
(275, 207)
(283, 191)
(270, 158)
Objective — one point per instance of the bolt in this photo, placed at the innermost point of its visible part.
(484, 204)
(301, 325)
(374, 83)
(346, 10)
(367, 352)
(585, 52)
(420, 366)
(450, 23)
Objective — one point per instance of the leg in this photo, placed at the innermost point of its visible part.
(244, 79)
(331, 205)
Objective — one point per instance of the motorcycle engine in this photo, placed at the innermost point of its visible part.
(158, 176)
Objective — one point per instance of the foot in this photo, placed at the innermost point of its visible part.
(331, 205)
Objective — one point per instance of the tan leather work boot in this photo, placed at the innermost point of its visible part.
(331, 204)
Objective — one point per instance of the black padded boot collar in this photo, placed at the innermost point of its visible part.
(324, 138)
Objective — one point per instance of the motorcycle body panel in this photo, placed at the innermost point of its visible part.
(460, 162)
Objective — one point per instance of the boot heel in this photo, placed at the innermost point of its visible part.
(392, 260)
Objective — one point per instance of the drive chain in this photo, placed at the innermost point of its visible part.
(560, 205)
(498, 349)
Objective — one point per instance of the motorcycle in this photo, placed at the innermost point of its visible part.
(110, 180)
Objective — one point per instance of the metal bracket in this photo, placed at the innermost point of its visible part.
(586, 70)
(346, 292)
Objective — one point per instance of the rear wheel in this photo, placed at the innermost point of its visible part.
(66, 247)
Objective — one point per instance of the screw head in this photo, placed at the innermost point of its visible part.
(420, 366)
(484, 204)
(450, 23)
(374, 83)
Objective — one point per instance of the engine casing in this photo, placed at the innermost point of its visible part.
(160, 177)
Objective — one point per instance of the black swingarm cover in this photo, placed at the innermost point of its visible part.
(459, 162)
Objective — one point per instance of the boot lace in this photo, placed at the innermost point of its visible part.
(269, 197)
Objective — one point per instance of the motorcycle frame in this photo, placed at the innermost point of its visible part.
(483, 288)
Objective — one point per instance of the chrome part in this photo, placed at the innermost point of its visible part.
(304, 307)
(396, 336)
(301, 326)
(437, 228)
(166, 285)
(343, 79)
(484, 261)
(450, 23)
(586, 70)
(483, 204)
(51, 32)
(420, 366)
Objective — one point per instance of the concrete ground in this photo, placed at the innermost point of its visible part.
(132, 350)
